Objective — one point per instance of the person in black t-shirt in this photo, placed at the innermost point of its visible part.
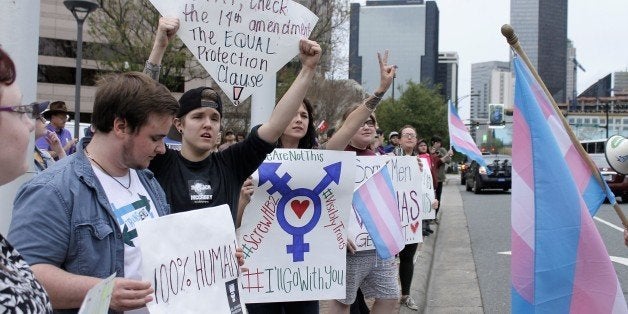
(195, 177)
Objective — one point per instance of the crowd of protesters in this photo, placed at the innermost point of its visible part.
(71, 222)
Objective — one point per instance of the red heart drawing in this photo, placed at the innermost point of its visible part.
(414, 226)
(299, 207)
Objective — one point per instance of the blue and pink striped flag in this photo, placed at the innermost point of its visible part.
(559, 261)
(376, 204)
(460, 137)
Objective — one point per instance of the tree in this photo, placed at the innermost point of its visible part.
(330, 33)
(126, 28)
(331, 98)
(419, 106)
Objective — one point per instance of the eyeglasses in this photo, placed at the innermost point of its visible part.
(32, 109)
(369, 123)
(408, 135)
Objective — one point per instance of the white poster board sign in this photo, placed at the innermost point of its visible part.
(190, 259)
(427, 192)
(293, 232)
(406, 178)
(98, 297)
(240, 42)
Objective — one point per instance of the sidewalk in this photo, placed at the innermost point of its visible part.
(453, 285)
(445, 279)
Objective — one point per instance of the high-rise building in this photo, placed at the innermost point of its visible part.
(572, 74)
(620, 86)
(409, 29)
(541, 26)
(491, 83)
(447, 75)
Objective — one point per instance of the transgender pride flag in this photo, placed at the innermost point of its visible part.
(375, 202)
(559, 262)
(460, 137)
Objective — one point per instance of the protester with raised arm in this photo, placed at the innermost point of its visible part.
(218, 176)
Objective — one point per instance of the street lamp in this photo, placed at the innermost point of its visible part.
(80, 9)
(574, 97)
(393, 88)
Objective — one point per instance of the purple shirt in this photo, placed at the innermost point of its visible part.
(64, 137)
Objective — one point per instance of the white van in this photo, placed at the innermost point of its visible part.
(82, 127)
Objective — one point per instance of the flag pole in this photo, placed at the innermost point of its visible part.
(513, 40)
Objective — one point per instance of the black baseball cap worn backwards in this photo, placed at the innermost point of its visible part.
(193, 99)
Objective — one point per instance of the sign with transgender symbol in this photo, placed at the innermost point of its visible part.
(240, 42)
(293, 230)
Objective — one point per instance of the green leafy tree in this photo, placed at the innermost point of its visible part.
(419, 106)
(127, 28)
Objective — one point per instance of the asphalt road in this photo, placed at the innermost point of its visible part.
(488, 216)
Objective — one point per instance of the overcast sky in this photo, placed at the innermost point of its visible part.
(598, 29)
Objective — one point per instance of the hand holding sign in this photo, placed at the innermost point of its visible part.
(168, 27)
(238, 42)
(129, 294)
(310, 53)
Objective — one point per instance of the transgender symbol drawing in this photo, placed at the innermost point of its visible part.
(268, 173)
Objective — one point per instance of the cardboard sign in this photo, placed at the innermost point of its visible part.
(427, 192)
(98, 297)
(406, 178)
(293, 231)
(190, 259)
(239, 42)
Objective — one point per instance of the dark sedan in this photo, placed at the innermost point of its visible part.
(617, 182)
(478, 177)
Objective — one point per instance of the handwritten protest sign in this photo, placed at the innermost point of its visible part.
(406, 179)
(427, 192)
(98, 297)
(190, 259)
(293, 230)
(239, 42)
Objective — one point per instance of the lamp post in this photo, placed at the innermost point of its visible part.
(80, 9)
(574, 97)
(472, 127)
(393, 88)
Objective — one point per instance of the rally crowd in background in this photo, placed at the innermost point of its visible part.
(73, 222)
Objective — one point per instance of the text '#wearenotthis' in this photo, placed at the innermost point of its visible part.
(240, 42)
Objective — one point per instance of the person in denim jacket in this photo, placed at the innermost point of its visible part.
(71, 223)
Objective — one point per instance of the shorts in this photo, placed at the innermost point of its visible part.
(375, 276)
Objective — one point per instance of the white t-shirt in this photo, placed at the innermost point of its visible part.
(129, 206)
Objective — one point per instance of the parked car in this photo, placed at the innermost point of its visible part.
(617, 182)
(478, 177)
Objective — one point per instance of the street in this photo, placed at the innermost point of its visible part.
(488, 216)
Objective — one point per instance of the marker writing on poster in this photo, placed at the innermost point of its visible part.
(335, 221)
(199, 269)
(256, 237)
(308, 278)
(295, 155)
